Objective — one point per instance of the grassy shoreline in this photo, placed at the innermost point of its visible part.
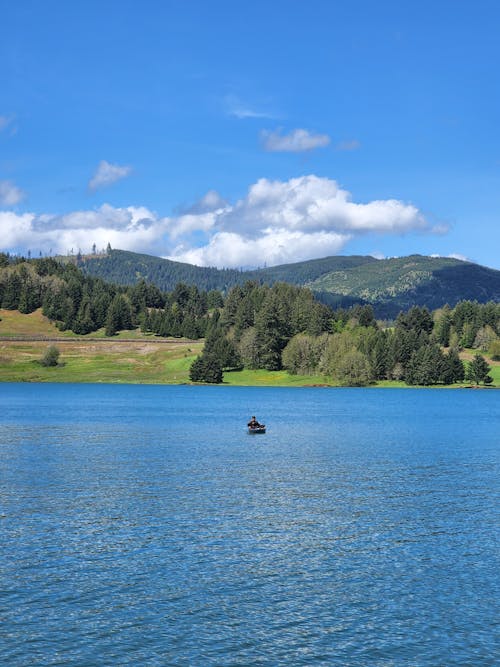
(131, 358)
(146, 362)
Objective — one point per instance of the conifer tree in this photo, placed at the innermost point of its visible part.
(270, 334)
(425, 366)
(84, 323)
(29, 298)
(453, 368)
(206, 368)
(442, 326)
(379, 357)
(145, 320)
(119, 315)
(478, 369)
(11, 291)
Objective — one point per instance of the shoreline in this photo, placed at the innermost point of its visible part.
(385, 385)
(145, 360)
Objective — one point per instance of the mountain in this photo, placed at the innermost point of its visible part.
(127, 268)
(390, 285)
(302, 273)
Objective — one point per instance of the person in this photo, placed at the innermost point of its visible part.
(253, 423)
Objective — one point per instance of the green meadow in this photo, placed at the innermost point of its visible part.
(130, 357)
(146, 363)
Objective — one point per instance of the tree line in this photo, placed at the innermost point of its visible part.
(257, 326)
(83, 304)
(284, 327)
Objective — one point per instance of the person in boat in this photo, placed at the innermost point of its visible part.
(253, 423)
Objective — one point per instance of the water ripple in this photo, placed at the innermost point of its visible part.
(134, 535)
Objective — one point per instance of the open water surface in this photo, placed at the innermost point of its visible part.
(141, 525)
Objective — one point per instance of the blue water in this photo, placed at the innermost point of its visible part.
(143, 526)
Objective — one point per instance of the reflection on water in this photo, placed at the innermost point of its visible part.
(143, 526)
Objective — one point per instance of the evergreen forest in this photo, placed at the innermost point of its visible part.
(260, 326)
(389, 285)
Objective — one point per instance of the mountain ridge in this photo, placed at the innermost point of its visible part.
(389, 285)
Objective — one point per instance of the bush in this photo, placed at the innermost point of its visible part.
(495, 350)
(354, 369)
(484, 338)
(51, 357)
(301, 355)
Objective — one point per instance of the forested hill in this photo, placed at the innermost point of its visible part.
(127, 268)
(390, 285)
(394, 285)
(303, 273)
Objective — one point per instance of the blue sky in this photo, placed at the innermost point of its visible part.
(239, 134)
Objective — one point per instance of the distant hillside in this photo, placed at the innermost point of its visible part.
(390, 285)
(302, 273)
(127, 268)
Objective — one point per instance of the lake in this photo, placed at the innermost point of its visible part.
(142, 525)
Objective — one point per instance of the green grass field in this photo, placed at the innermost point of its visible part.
(144, 360)
(14, 324)
(495, 374)
(141, 359)
(249, 378)
(146, 363)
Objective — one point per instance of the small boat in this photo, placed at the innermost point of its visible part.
(257, 429)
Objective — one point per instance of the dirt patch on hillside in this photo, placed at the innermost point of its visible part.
(99, 346)
(469, 356)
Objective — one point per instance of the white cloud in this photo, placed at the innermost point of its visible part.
(107, 174)
(273, 246)
(297, 141)
(16, 231)
(311, 203)
(211, 201)
(105, 216)
(10, 194)
(352, 145)
(440, 229)
(453, 255)
(275, 222)
(131, 228)
(239, 109)
(284, 221)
